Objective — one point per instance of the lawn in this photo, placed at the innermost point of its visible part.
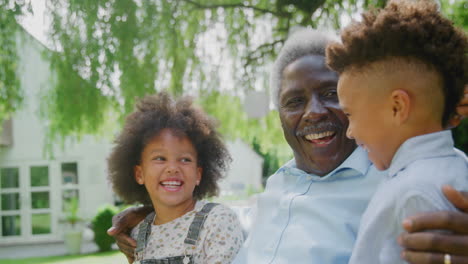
(114, 257)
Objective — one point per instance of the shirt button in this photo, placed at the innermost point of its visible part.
(270, 248)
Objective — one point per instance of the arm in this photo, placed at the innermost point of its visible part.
(429, 247)
(122, 224)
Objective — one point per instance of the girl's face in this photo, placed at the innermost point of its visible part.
(169, 170)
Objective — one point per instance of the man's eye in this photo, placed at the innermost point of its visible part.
(296, 101)
(331, 93)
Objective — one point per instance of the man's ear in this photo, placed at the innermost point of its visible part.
(138, 174)
(401, 105)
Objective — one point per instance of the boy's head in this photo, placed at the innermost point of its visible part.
(154, 115)
(402, 72)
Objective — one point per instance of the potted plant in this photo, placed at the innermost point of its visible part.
(73, 233)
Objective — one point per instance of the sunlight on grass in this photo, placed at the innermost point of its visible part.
(114, 257)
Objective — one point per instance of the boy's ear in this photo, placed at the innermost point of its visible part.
(401, 105)
(138, 174)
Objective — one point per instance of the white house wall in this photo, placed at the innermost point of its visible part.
(28, 149)
(245, 171)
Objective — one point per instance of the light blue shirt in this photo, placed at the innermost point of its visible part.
(304, 218)
(413, 184)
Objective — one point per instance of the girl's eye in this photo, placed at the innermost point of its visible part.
(159, 158)
(186, 160)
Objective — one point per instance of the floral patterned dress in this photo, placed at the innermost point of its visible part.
(218, 241)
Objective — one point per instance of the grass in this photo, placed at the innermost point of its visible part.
(113, 257)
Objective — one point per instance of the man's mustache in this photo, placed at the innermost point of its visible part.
(319, 128)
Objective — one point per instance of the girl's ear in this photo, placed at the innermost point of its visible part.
(401, 105)
(199, 174)
(138, 174)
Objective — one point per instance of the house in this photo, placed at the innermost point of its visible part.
(34, 189)
(244, 170)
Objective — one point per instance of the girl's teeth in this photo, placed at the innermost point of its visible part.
(174, 183)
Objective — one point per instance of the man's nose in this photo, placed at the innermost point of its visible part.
(349, 133)
(315, 111)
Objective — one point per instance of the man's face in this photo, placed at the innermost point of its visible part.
(313, 123)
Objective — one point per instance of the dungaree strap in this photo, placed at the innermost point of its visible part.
(144, 232)
(193, 233)
(197, 224)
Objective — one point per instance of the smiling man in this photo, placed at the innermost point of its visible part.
(311, 207)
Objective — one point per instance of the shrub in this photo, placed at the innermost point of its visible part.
(100, 223)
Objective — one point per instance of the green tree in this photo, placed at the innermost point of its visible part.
(110, 52)
(457, 11)
(10, 89)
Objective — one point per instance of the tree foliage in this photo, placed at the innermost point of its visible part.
(457, 11)
(110, 52)
(10, 90)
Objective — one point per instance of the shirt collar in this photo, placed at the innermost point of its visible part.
(421, 147)
(357, 161)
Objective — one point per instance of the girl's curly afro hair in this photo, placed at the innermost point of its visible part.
(153, 114)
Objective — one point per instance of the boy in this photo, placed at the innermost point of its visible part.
(402, 72)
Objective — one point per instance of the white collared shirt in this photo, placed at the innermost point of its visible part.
(413, 185)
(304, 218)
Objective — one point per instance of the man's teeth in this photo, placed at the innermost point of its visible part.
(173, 183)
(319, 135)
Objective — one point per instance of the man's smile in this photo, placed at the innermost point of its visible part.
(322, 138)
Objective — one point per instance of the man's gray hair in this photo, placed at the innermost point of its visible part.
(300, 43)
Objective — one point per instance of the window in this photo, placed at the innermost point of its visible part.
(10, 202)
(6, 134)
(33, 198)
(69, 183)
(41, 210)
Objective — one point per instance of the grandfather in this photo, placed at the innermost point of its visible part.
(311, 207)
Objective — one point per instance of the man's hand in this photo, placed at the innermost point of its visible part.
(462, 110)
(430, 247)
(122, 224)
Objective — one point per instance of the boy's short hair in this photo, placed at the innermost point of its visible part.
(414, 30)
(153, 114)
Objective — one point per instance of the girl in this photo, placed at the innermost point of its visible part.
(170, 156)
